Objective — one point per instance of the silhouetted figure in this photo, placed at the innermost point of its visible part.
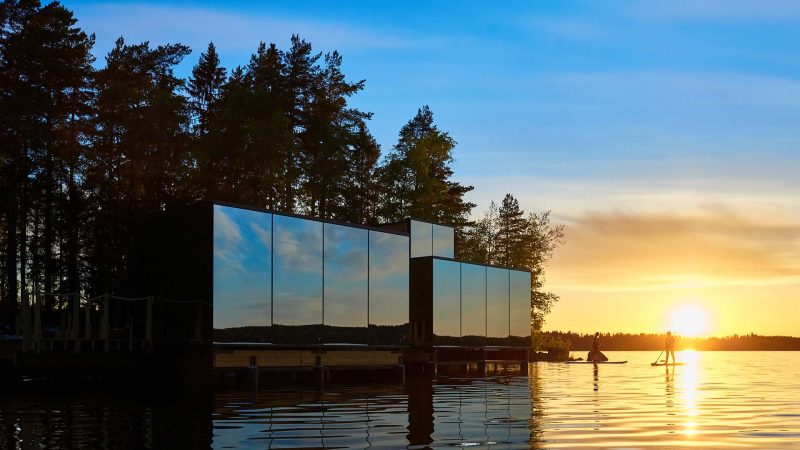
(595, 355)
(669, 347)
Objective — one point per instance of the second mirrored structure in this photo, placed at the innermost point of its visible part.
(485, 306)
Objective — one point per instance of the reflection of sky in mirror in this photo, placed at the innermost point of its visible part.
(446, 298)
(298, 271)
(443, 241)
(388, 279)
(520, 293)
(473, 300)
(497, 302)
(345, 276)
(242, 247)
(421, 237)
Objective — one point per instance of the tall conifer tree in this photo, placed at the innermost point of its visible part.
(416, 176)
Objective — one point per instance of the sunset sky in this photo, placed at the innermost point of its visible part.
(666, 136)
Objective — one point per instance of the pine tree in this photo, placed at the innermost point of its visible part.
(510, 237)
(360, 189)
(331, 128)
(204, 88)
(416, 176)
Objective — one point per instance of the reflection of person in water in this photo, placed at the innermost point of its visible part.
(595, 355)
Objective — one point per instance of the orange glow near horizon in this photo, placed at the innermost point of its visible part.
(699, 273)
(689, 320)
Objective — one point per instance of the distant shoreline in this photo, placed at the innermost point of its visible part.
(655, 342)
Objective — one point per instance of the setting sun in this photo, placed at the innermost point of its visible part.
(689, 320)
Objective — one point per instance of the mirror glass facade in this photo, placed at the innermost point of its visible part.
(443, 241)
(520, 295)
(388, 288)
(345, 306)
(290, 280)
(421, 239)
(446, 302)
(497, 310)
(473, 303)
(297, 290)
(242, 273)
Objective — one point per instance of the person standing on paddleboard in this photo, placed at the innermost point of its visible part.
(669, 347)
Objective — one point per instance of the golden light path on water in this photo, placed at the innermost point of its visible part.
(710, 400)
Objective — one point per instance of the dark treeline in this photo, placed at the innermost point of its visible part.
(655, 342)
(88, 148)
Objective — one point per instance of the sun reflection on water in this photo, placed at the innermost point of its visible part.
(689, 381)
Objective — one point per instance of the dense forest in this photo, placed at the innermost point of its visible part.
(655, 342)
(87, 148)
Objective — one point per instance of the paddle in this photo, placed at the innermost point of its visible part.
(659, 357)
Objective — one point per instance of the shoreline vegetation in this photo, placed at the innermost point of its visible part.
(654, 342)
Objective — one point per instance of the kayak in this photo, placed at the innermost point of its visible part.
(664, 364)
(598, 362)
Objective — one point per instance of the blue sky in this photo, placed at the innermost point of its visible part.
(604, 112)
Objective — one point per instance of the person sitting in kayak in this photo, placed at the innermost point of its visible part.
(595, 355)
(669, 347)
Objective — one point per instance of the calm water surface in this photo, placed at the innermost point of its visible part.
(718, 400)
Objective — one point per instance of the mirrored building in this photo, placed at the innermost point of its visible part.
(276, 279)
(295, 280)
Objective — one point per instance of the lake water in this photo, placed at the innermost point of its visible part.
(717, 400)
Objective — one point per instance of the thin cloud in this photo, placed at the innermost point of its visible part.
(720, 10)
(624, 251)
(229, 30)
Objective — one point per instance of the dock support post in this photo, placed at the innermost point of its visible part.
(523, 367)
(431, 368)
(252, 373)
(482, 367)
(400, 373)
(319, 373)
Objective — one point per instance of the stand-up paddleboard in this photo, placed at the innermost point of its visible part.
(661, 364)
(598, 362)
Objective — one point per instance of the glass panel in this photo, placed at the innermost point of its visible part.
(497, 303)
(443, 241)
(473, 304)
(421, 239)
(345, 300)
(388, 288)
(242, 270)
(446, 302)
(520, 304)
(297, 294)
